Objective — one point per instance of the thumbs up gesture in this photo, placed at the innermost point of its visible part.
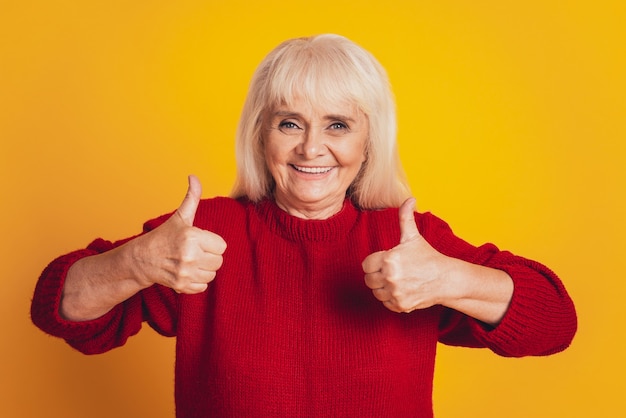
(408, 276)
(176, 254)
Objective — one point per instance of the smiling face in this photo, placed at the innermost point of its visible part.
(314, 154)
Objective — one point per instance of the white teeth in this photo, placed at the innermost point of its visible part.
(313, 170)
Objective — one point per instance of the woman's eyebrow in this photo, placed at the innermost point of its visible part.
(344, 118)
(333, 116)
(286, 113)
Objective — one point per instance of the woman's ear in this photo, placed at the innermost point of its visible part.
(366, 150)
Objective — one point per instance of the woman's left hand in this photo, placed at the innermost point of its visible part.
(412, 274)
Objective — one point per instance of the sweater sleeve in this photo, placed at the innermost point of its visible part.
(541, 318)
(157, 305)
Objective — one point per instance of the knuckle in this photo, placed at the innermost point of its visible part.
(177, 286)
(392, 307)
(185, 260)
(182, 270)
(402, 306)
(396, 295)
(186, 256)
(391, 267)
(184, 237)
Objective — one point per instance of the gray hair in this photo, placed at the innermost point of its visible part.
(323, 69)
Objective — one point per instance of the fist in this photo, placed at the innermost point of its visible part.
(408, 276)
(177, 254)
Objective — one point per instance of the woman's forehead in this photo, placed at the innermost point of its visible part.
(304, 105)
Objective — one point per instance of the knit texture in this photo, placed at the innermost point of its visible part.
(288, 327)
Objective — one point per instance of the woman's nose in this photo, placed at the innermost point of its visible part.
(312, 144)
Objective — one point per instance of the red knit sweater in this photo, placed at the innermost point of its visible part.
(288, 327)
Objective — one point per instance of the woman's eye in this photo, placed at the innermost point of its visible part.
(338, 125)
(287, 125)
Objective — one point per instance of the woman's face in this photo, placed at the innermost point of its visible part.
(314, 154)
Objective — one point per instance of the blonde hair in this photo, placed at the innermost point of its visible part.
(323, 69)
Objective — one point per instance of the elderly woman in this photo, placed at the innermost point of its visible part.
(315, 290)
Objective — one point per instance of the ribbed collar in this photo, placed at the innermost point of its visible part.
(298, 229)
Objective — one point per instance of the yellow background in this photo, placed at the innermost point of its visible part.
(511, 126)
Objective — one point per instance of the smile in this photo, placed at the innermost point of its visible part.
(312, 170)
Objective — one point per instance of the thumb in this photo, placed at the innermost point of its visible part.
(408, 228)
(187, 209)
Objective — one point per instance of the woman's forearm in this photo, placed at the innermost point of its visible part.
(95, 284)
(481, 292)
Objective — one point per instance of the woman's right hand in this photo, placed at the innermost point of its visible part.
(177, 254)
